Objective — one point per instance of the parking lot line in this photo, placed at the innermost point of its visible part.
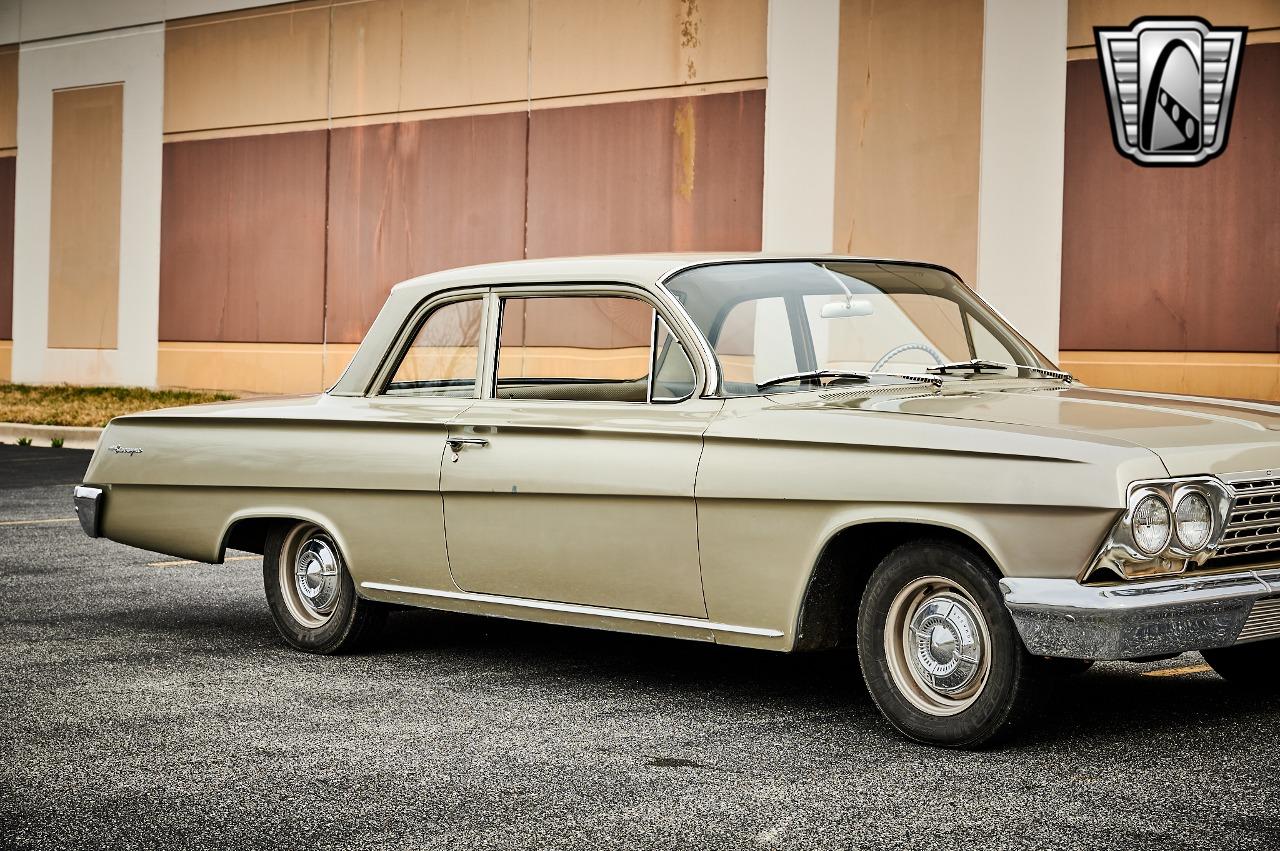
(1177, 672)
(42, 520)
(181, 562)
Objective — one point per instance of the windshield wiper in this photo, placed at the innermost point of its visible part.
(855, 376)
(978, 365)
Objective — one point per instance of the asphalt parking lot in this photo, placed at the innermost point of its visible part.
(148, 702)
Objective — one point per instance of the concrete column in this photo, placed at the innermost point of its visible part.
(134, 57)
(1024, 72)
(800, 125)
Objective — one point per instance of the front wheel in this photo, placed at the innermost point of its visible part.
(312, 599)
(940, 654)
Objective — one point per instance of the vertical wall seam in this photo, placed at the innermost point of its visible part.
(328, 159)
(528, 119)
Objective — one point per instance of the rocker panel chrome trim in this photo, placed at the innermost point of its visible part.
(573, 608)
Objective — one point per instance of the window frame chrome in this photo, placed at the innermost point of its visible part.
(587, 289)
(399, 348)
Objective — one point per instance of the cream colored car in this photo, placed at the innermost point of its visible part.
(780, 453)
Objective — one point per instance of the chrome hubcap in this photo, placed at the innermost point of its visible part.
(310, 575)
(315, 571)
(937, 646)
(948, 646)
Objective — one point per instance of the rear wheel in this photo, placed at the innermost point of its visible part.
(312, 599)
(939, 651)
(1247, 665)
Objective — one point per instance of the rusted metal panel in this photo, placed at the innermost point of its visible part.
(654, 175)
(416, 197)
(8, 166)
(242, 239)
(1173, 259)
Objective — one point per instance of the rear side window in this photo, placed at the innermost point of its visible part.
(444, 357)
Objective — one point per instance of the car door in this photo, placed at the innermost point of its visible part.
(432, 374)
(573, 478)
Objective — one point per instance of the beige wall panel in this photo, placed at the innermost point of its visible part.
(1229, 375)
(464, 53)
(247, 68)
(582, 46)
(336, 358)
(366, 58)
(1084, 15)
(6, 360)
(84, 219)
(907, 138)
(251, 368)
(9, 96)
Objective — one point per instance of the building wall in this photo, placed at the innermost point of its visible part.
(910, 95)
(281, 165)
(1171, 276)
(317, 153)
(8, 177)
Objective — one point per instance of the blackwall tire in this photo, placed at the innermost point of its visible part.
(312, 599)
(1247, 666)
(940, 654)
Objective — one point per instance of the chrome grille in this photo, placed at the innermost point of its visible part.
(1263, 622)
(1252, 535)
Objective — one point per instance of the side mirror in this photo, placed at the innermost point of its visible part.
(848, 307)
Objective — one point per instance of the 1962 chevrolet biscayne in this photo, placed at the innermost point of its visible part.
(781, 453)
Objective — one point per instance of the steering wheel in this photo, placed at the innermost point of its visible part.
(907, 347)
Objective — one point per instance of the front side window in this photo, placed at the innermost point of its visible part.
(769, 320)
(444, 357)
(597, 348)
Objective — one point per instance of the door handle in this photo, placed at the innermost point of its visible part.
(456, 443)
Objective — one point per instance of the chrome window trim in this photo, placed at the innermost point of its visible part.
(653, 362)
(661, 307)
(397, 351)
(574, 608)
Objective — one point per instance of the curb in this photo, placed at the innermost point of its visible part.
(74, 437)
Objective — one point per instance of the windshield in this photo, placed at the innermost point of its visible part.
(769, 320)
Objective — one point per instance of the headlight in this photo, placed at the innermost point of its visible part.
(1169, 526)
(1151, 524)
(1193, 521)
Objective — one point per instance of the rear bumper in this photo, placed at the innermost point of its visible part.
(89, 502)
(1061, 617)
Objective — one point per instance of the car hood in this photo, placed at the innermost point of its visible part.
(1191, 435)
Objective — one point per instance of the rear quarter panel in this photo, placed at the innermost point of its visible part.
(367, 470)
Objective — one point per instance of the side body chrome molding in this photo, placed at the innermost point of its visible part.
(573, 608)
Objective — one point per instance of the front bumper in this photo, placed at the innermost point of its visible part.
(89, 509)
(1061, 617)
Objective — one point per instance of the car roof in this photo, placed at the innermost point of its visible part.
(643, 270)
(647, 268)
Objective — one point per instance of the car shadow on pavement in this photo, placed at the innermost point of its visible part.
(1112, 702)
(1112, 705)
(668, 664)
